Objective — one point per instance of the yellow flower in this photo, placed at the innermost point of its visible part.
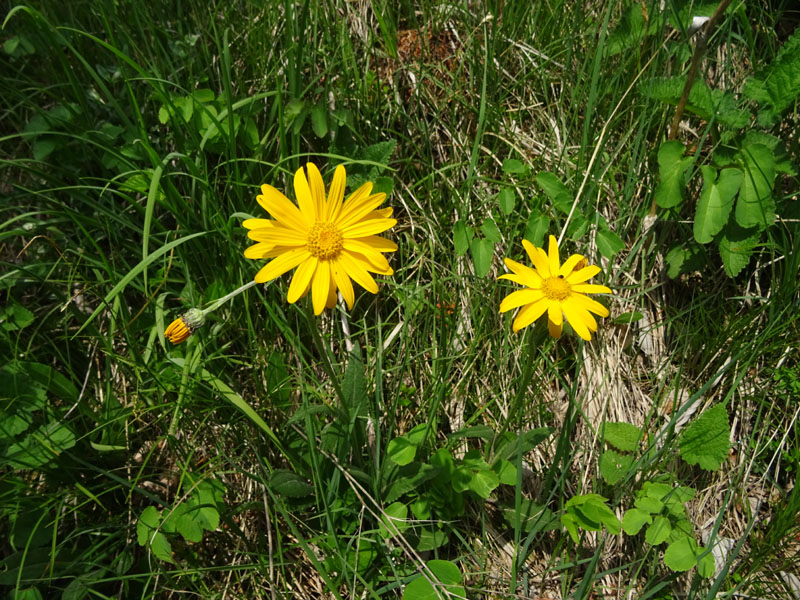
(329, 241)
(556, 289)
(184, 326)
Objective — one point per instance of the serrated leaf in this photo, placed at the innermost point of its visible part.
(706, 441)
(716, 202)
(462, 236)
(491, 231)
(558, 193)
(628, 32)
(756, 206)
(778, 86)
(148, 522)
(614, 466)
(634, 520)
(623, 436)
(609, 243)
(482, 252)
(658, 531)
(506, 199)
(672, 167)
(512, 166)
(379, 152)
(680, 555)
(736, 247)
(536, 228)
(160, 547)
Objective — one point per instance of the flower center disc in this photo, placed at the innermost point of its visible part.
(556, 288)
(324, 241)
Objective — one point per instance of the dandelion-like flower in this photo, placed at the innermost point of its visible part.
(330, 241)
(184, 326)
(559, 290)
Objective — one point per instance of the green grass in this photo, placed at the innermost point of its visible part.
(260, 458)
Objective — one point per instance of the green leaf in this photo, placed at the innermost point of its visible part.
(629, 31)
(706, 565)
(777, 87)
(289, 484)
(40, 447)
(532, 517)
(756, 206)
(672, 167)
(482, 251)
(736, 247)
(658, 531)
(512, 166)
(430, 540)
(684, 259)
(628, 317)
(623, 436)
(506, 198)
(705, 442)
(506, 472)
(634, 520)
(491, 231)
(447, 577)
(609, 243)
(462, 236)
(680, 555)
(403, 449)
(149, 521)
(716, 202)
(393, 520)
(354, 388)
(536, 228)
(558, 193)
(614, 466)
(475, 474)
(319, 120)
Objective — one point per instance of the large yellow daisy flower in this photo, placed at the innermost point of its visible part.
(328, 240)
(555, 289)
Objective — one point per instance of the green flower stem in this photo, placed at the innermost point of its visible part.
(327, 363)
(224, 299)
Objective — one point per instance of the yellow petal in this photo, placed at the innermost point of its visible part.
(336, 194)
(285, 262)
(381, 213)
(279, 236)
(257, 223)
(357, 273)
(529, 314)
(320, 284)
(305, 199)
(569, 264)
(555, 330)
(302, 277)
(576, 316)
(519, 298)
(590, 305)
(591, 288)
(375, 242)
(554, 313)
(258, 251)
(343, 282)
(530, 277)
(332, 295)
(281, 208)
(355, 213)
(553, 261)
(583, 275)
(353, 202)
(366, 228)
(515, 278)
(538, 258)
(317, 187)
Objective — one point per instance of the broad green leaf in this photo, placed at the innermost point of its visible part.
(597, 510)
(614, 466)
(401, 450)
(558, 193)
(628, 317)
(482, 251)
(462, 236)
(447, 578)
(505, 471)
(736, 247)
(512, 166)
(609, 243)
(658, 531)
(431, 539)
(716, 202)
(532, 517)
(706, 441)
(319, 121)
(680, 555)
(756, 206)
(623, 436)
(684, 259)
(491, 231)
(148, 522)
(634, 520)
(537, 227)
(15, 317)
(672, 167)
(706, 565)
(393, 520)
(289, 484)
(40, 446)
(506, 198)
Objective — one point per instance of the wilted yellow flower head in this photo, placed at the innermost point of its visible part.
(329, 240)
(559, 290)
(184, 326)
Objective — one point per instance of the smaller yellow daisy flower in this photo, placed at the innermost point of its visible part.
(184, 326)
(559, 290)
